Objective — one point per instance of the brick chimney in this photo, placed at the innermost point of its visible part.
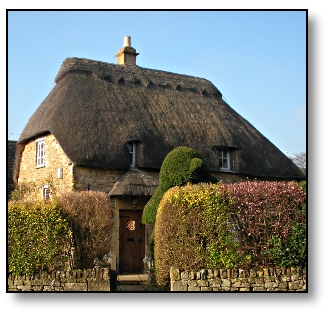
(127, 54)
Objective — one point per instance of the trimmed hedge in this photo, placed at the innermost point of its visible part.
(38, 237)
(181, 166)
(265, 212)
(193, 230)
(243, 225)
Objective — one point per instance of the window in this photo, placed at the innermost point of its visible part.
(224, 159)
(46, 192)
(132, 153)
(40, 152)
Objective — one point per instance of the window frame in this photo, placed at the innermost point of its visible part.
(221, 158)
(40, 152)
(46, 192)
(132, 153)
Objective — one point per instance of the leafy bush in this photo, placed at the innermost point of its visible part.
(262, 210)
(293, 251)
(90, 218)
(193, 230)
(245, 224)
(181, 166)
(38, 237)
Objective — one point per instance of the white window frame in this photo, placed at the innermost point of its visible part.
(46, 192)
(132, 152)
(40, 152)
(224, 155)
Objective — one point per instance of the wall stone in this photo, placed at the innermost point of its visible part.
(36, 178)
(99, 179)
(239, 280)
(92, 280)
(74, 178)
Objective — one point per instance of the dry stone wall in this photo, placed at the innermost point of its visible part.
(92, 280)
(237, 280)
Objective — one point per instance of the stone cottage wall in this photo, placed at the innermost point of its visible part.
(98, 179)
(237, 280)
(36, 178)
(93, 280)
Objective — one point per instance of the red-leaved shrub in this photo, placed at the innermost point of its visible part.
(262, 210)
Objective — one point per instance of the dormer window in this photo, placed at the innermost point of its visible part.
(224, 159)
(40, 152)
(132, 153)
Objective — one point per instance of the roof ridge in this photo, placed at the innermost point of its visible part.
(160, 78)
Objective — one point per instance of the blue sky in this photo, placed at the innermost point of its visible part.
(257, 59)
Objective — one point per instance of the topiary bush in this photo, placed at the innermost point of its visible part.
(90, 218)
(38, 237)
(181, 166)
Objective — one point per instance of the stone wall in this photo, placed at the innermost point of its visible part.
(237, 280)
(74, 178)
(98, 179)
(93, 280)
(37, 177)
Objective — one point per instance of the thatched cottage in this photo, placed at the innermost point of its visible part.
(108, 127)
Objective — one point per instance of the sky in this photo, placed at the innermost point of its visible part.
(256, 59)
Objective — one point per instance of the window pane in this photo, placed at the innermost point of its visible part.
(40, 152)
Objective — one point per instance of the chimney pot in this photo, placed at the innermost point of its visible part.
(126, 41)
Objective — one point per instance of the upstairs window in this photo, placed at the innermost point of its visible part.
(40, 152)
(224, 159)
(132, 153)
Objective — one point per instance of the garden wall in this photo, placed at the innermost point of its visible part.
(237, 280)
(91, 280)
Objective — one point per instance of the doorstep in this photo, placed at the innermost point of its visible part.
(132, 282)
(133, 278)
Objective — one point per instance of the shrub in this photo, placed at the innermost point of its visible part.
(181, 166)
(264, 212)
(193, 230)
(245, 224)
(90, 218)
(38, 237)
(293, 251)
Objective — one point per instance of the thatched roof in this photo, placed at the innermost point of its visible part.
(134, 182)
(96, 107)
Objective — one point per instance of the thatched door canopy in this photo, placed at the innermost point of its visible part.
(134, 182)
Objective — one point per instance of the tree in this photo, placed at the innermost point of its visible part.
(300, 159)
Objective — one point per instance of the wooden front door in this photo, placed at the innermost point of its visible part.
(131, 246)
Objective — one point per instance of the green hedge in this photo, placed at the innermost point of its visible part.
(193, 230)
(245, 224)
(181, 166)
(38, 237)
